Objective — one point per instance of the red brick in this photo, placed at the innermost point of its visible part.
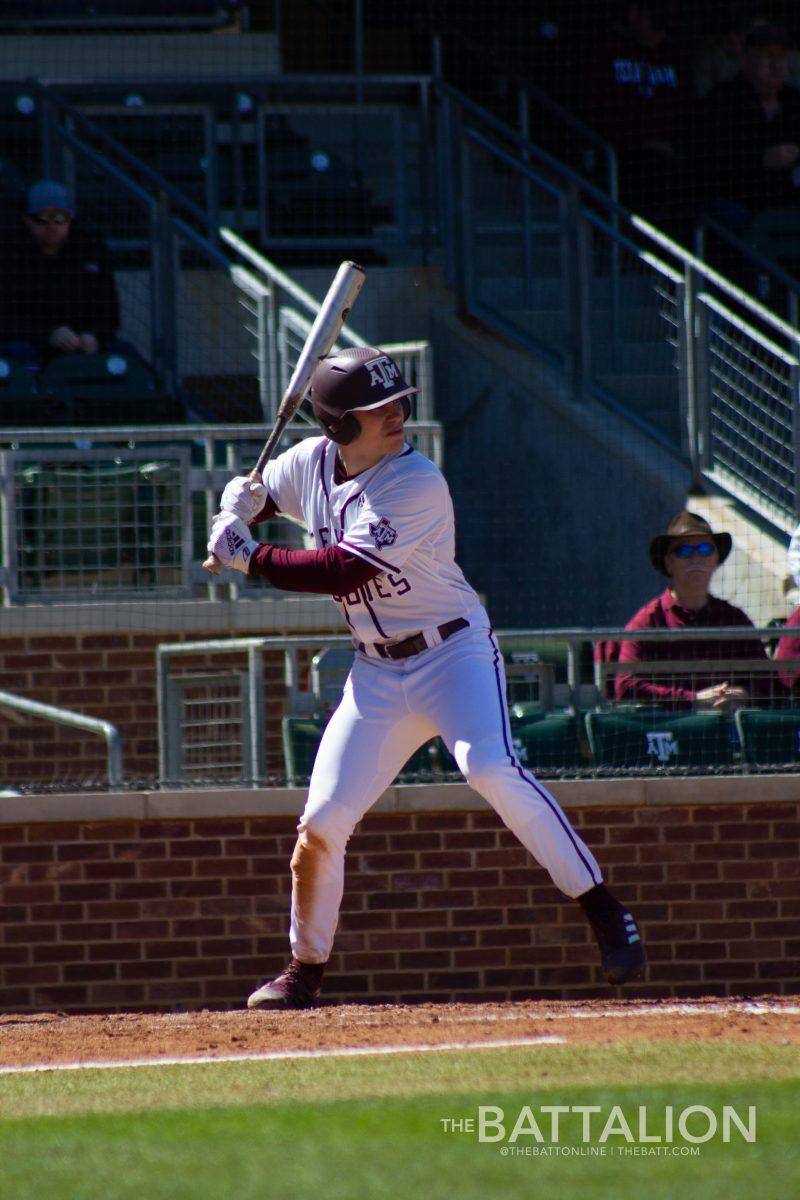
(390, 941)
(56, 912)
(748, 870)
(407, 842)
(427, 918)
(64, 831)
(702, 950)
(166, 869)
(476, 917)
(14, 954)
(439, 821)
(195, 888)
(665, 817)
(732, 971)
(59, 953)
(84, 891)
(22, 853)
(109, 870)
(779, 970)
(787, 829)
(28, 893)
(498, 937)
(165, 829)
(84, 851)
(14, 934)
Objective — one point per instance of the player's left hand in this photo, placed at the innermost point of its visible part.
(231, 543)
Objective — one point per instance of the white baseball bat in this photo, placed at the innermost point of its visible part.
(340, 298)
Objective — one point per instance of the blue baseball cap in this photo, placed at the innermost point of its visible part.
(49, 194)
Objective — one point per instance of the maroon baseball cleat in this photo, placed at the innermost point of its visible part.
(296, 987)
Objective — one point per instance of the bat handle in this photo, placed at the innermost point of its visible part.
(212, 563)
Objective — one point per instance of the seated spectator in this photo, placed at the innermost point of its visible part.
(60, 296)
(638, 91)
(789, 645)
(747, 135)
(689, 554)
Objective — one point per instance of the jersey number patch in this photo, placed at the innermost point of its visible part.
(383, 534)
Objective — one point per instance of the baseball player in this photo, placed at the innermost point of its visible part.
(426, 662)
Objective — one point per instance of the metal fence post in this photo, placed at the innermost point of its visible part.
(794, 377)
(580, 306)
(690, 430)
(164, 269)
(527, 216)
(255, 683)
(702, 453)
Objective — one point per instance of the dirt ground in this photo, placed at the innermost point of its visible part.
(57, 1038)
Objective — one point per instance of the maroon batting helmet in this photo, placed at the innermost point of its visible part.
(351, 381)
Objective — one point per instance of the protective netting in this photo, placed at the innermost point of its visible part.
(602, 379)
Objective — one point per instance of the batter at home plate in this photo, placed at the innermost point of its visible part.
(427, 662)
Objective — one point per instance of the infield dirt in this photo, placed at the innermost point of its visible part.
(57, 1038)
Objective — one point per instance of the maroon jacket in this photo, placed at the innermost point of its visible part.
(664, 612)
(789, 647)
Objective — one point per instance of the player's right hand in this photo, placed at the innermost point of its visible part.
(64, 339)
(243, 498)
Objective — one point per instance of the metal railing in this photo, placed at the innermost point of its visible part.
(213, 723)
(631, 317)
(130, 515)
(544, 256)
(63, 716)
(230, 717)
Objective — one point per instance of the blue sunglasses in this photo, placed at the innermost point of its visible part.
(686, 550)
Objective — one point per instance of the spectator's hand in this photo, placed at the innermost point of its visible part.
(660, 148)
(65, 339)
(780, 158)
(89, 343)
(722, 697)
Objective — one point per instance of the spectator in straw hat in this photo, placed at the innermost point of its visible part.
(688, 554)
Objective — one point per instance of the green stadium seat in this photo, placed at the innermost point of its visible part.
(769, 738)
(107, 389)
(545, 741)
(652, 737)
(301, 736)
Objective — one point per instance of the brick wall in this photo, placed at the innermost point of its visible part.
(111, 676)
(443, 905)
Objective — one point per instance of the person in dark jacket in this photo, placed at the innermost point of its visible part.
(747, 135)
(59, 295)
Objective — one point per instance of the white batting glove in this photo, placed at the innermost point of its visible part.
(243, 498)
(231, 542)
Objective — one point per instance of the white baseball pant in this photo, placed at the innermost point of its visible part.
(388, 710)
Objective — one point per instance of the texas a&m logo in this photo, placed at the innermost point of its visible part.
(661, 745)
(382, 372)
(383, 534)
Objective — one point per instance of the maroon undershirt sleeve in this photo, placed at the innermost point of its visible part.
(330, 572)
(270, 509)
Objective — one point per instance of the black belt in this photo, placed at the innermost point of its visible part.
(416, 643)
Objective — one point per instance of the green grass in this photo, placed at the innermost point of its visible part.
(63, 1093)
(345, 1128)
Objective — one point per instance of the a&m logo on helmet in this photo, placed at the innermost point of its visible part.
(383, 534)
(383, 372)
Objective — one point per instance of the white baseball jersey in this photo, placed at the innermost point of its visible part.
(397, 516)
